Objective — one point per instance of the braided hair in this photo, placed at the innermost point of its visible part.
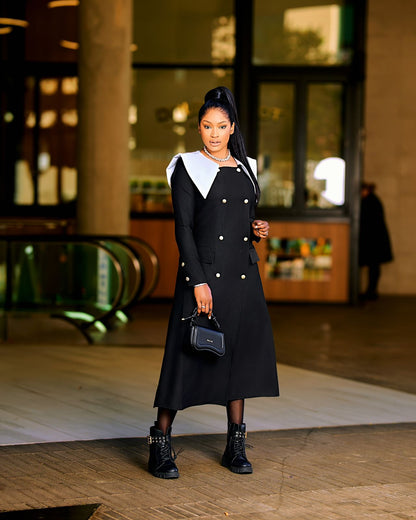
(222, 98)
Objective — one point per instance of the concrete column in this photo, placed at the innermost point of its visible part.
(105, 32)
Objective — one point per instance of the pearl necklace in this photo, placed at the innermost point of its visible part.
(217, 158)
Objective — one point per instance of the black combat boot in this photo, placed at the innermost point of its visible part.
(161, 462)
(234, 457)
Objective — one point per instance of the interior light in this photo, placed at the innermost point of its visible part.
(8, 117)
(73, 46)
(14, 21)
(69, 86)
(6, 30)
(44, 161)
(180, 112)
(49, 86)
(69, 117)
(122, 317)
(48, 118)
(63, 3)
(332, 170)
(132, 143)
(31, 119)
(133, 114)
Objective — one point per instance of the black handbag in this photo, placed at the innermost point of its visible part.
(204, 339)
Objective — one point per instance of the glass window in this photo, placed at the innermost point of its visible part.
(325, 166)
(299, 258)
(24, 190)
(164, 119)
(50, 177)
(276, 146)
(318, 33)
(184, 31)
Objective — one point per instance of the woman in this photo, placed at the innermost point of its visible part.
(214, 194)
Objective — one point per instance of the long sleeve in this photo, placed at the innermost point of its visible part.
(183, 199)
(253, 237)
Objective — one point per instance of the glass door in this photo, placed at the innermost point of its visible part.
(276, 144)
(300, 145)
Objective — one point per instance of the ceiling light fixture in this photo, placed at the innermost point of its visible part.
(73, 46)
(6, 30)
(63, 3)
(13, 21)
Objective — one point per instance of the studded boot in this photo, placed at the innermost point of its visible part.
(234, 457)
(161, 461)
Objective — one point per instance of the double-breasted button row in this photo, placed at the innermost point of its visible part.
(218, 275)
(224, 201)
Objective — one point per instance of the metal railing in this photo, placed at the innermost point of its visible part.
(89, 281)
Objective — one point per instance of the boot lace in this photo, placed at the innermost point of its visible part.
(168, 453)
(239, 446)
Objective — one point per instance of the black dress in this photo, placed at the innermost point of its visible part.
(214, 238)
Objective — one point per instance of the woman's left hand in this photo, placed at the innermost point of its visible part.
(260, 228)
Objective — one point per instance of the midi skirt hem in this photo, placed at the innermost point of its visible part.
(169, 406)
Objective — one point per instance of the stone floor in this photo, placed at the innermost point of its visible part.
(345, 473)
(351, 368)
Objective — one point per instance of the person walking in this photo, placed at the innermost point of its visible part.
(374, 242)
(214, 194)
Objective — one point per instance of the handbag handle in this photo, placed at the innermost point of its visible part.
(194, 316)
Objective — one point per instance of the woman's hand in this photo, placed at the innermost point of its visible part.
(203, 299)
(260, 228)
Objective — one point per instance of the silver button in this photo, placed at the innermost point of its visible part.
(243, 276)
(187, 278)
(238, 169)
(245, 201)
(183, 264)
(224, 201)
(245, 239)
(217, 275)
(221, 237)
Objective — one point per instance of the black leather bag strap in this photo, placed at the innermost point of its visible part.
(193, 317)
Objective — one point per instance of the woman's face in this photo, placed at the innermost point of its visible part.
(215, 129)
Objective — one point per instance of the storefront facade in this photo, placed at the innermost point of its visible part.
(297, 70)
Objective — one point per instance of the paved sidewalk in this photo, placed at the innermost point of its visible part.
(355, 472)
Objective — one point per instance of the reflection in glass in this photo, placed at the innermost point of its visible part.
(299, 259)
(325, 181)
(24, 190)
(54, 168)
(185, 32)
(319, 33)
(275, 160)
(166, 124)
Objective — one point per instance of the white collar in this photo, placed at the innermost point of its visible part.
(203, 171)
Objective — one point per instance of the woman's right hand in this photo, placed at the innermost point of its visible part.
(203, 299)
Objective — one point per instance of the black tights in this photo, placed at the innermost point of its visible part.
(235, 414)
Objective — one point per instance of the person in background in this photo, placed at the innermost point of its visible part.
(374, 242)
